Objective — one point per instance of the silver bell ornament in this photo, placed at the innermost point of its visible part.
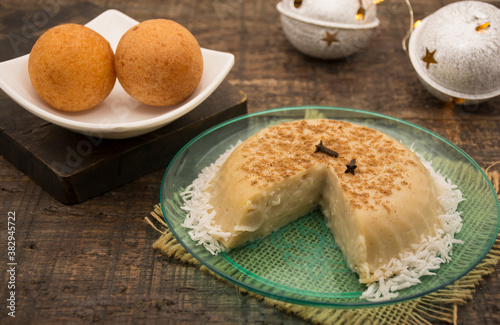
(327, 29)
(456, 52)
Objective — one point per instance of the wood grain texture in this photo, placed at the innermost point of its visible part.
(92, 262)
(74, 167)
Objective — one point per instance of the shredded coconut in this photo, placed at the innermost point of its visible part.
(199, 212)
(420, 261)
(431, 252)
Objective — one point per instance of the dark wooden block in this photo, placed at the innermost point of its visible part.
(74, 167)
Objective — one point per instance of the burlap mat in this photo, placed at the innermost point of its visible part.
(440, 305)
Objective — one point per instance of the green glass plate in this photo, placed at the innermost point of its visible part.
(301, 262)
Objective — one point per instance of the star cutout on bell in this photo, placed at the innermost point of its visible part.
(330, 38)
(429, 57)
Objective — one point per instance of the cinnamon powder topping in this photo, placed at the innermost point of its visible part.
(321, 148)
(287, 149)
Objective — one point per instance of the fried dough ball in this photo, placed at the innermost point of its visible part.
(72, 67)
(158, 62)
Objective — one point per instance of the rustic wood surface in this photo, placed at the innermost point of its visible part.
(92, 262)
(62, 161)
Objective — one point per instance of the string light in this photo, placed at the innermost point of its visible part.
(482, 28)
(412, 26)
(360, 15)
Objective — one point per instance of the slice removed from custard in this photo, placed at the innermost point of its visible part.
(377, 206)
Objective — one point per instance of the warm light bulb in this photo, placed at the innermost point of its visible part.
(457, 101)
(361, 14)
(417, 23)
(376, 2)
(482, 28)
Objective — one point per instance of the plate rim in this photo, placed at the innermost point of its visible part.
(343, 305)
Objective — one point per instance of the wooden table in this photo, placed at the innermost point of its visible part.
(92, 262)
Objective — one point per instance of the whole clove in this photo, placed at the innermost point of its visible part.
(351, 166)
(321, 148)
